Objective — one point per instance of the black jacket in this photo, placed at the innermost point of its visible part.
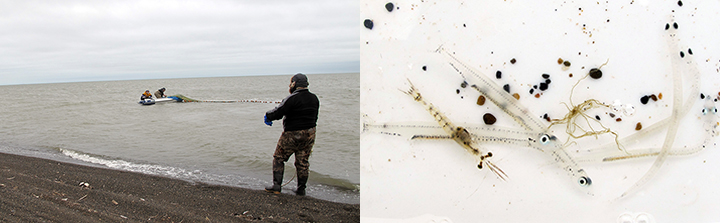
(300, 110)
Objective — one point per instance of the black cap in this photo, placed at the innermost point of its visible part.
(300, 80)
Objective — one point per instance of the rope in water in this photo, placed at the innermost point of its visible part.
(186, 99)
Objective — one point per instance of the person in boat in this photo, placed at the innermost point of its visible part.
(300, 112)
(146, 95)
(160, 93)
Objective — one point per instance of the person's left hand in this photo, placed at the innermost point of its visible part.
(267, 122)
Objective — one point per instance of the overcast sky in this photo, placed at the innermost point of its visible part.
(89, 40)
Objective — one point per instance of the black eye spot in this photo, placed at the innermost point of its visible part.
(667, 26)
(584, 181)
(675, 25)
(682, 55)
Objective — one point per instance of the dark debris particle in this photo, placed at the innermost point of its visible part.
(532, 91)
(618, 119)
(566, 63)
(464, 84)
(653, 97)
(543, 86)
(489, 119)
(546, 76)
(464, 25)
(512, 61)
(516, 96)
(611, 115)
(680, 3)
(547, 81)
(389, 6)
(498, 74)
(457, 91)
(702, 96)
(560, 61)
(506, 87)
(535, 86)
(546, 117)
(595, 73)
(638, 126)
(368, 23)
(597, 117)
(424, 68)
(644, 99)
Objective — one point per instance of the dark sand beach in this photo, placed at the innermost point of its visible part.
(39, 190)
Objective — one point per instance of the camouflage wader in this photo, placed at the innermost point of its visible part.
(298, 142)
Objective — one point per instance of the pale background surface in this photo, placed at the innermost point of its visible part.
(405, 180)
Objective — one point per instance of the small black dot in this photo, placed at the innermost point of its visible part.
(689, 51)
(506, 88)
(597, 117)
(644, 99)
(512, 61)
(535, 86)
(368, 23)
(667, 26)
(547, 81)
(675, 25)
(424, 68)
(680, 3)
(464, 25)
(546, 76)
(457, 91)
(464, 84)
(532, 90)
(389, 6)
(498, 74)
(702, 96)
(682, 55)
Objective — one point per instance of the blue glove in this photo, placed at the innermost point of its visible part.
(268, 122)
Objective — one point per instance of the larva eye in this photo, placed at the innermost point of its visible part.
(545, 139)
(704, 111)
(584, 181)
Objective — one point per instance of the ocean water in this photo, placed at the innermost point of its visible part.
(101, 124)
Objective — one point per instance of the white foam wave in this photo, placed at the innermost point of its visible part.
(133, 167)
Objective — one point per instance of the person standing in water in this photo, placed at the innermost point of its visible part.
(300, 112)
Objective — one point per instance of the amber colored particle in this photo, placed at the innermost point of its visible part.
(638, 126)
(570, 75)
(618, 119)
(516, 96)
(537, 95)
(560, 60)
(546, 117)
(660, 95)
(481, 100)
(489, 119)
(512, 61)
(653, 97)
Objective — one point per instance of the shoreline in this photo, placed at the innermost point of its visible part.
(36, 189)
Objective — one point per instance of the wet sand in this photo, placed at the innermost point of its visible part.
(39, 190)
